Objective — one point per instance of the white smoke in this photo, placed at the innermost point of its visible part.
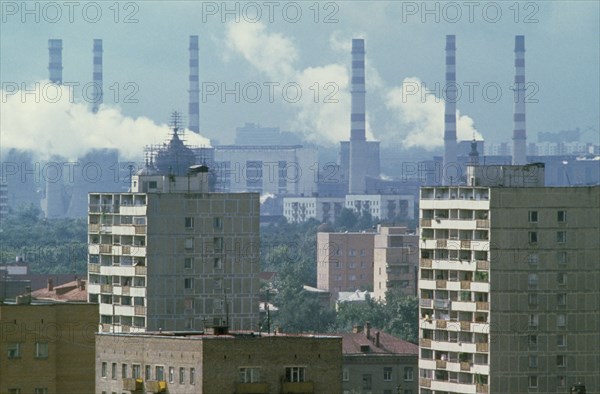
(421, 115)
(323, 111)
(48, 126)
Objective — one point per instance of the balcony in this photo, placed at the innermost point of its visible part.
(140, 230)
(94, 268)
(425, 222)
(465, 244)
(125, 290)
(94, 227)
(425, 302)
(139, 310)
(482, 389)
(297, 387)
(440, 284)
(425, 263)
(465, 285)
(126, 249)
(424, 382)
(465, 326)
(483, 306)
(156, 386)
(465, 366)
(140, 270)
(425, 342)
(482, 347)
(483, 265)
(133, 384)
(105, 248)
(441, 304)
(441, 243)
(482, 223)
(440, 364)
(252, 388)
(106, 289)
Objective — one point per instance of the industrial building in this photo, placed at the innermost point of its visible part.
(171, 255)
(508, 284)
(218, 362)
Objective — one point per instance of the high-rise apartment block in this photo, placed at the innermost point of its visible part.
(170, 255)
(508, 286)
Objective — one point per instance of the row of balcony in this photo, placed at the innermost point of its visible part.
(139, 270)
(160, 386)
(480, 347)
(479, 223)
(480, 264)
(445, 385)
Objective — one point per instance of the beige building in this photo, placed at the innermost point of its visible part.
(395, 261)
(47, 348)
(230, 363)
(170, 255)
(509, 289)
(344, 262)
(376, 362)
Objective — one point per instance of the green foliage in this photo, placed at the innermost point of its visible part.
(50, 246)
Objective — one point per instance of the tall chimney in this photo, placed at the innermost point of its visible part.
(55, 60)
(194, 91)
(519, 133)
(358, 146)
(97, 75)
(448, 175)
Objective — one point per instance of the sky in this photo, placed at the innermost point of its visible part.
(287, 64)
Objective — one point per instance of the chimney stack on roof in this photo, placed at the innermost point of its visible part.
(450, 96)
(519, 132)
(50, 284)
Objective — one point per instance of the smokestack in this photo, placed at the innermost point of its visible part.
(194, 91)
(450, 113)
(55, 60)
(358, 155)
(357, 118)
(97, 75)
(519, 133)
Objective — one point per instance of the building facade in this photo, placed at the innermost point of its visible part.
(344, 262)
(383, 206)
(377, 362)
(509, 301)
(47, 348)
(395, 261)
(170, 255)
(230, 363)
(323, 209)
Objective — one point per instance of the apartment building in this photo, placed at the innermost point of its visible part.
(203, 363)
(383, 206)
(323, 209)
(377, 362)
(395, 261)
(344, 262)
(508, 286)
(170, 255)
(47, 348)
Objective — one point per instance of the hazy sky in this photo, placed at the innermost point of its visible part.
(305, 47)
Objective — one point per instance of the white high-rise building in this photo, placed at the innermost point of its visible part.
(170, 255)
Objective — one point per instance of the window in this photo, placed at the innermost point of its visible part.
(533, 382)
(218, 244)
(160, 372)
(533, 361)
(187, 262)
(136, 371)
(408, 374)
(561, 257)
(533, 299)
(561, 237)
(181, 375)
(352, 252)
(14, 391)
(533, 321)
(171, 375)
(533, 237)
(560, 381)
(192, 375)
(189, 222)
(189, 243)
(561, 320)
(533, 258)
(367, 381)
(41, 350)
(249, 375)
(113, 371)
(152, 184)
(561, 361)
(188, 303)
(387, 373)
(561, 299)
(43, 390)
(561, 278)
(124, 371)
(345, 375)
(532, 280)
(188, 283)
(148, 372)
(14, 350)
(533, 341)
(561, 216)
(217, 222)
(294, 374)
(561, 340)
(103, 370)
(533, 216)
(218, 263)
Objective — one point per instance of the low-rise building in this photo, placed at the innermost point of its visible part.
(377, 362)
(203, 363)
(47, 348)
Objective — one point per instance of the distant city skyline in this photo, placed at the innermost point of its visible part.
(306, 47)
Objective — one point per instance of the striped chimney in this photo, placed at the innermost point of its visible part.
(519, 132)
(55, 60)
(194, 91)
(97, 75)
(450, 95)
(357, 117)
